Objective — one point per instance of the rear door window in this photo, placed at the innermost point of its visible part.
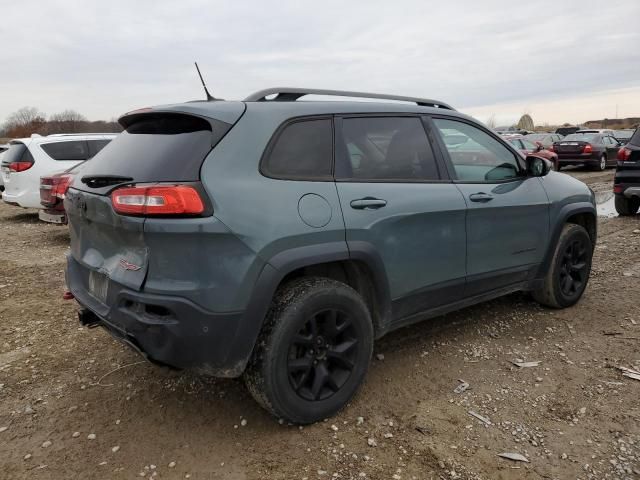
(302, 150)
(72, 150)
(635, 139)
(386, 149)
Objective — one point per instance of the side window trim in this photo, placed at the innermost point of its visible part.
(341, 154)
(274, 140)
(449, 163)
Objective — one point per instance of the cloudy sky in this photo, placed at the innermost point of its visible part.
(557, 60)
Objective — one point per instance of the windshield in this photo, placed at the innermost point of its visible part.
(581, 137)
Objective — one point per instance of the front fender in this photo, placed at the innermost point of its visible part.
(558, 222)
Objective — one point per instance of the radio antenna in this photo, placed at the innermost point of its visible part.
(210, 98)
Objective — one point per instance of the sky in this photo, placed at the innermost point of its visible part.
(559, 61)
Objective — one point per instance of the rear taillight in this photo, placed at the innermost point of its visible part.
(61, 185)
(155, 200)
(624, 154)
(587, 148)
(52, 188)
(618, 189)
(20, 166)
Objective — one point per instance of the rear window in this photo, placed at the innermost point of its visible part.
(18, 152)
(96, 145)
(158, 147)
(581, 137)
(635, 139)
(302, 150)
(73, 150)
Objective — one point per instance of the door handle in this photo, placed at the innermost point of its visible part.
(368, 203)
(480, 197)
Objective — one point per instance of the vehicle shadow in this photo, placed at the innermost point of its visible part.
(26, 217)
(60, 238)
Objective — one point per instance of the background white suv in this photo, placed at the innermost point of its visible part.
(28, 159)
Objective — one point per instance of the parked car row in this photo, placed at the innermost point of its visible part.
(27, 160)
(597, 149)
(594, 148)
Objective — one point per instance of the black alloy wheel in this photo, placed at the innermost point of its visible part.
(322, 355)
(574, 267)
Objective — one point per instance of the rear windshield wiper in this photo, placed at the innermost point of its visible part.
(98, 181)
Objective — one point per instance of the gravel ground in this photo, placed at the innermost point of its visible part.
(74, 402)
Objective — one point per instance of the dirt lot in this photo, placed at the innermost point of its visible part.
(75, 403)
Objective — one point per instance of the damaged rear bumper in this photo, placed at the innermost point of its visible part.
(171, 331)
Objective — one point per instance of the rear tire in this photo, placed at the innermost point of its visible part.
(626, 206)
(569, 271)
(313, 352)
(602, 163)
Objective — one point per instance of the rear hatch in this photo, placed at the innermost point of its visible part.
(158, 148)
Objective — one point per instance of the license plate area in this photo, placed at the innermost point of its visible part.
(98, 286)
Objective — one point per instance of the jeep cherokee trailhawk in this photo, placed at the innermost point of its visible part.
(275, 238)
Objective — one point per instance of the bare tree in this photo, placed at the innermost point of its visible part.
(68, 121)
(24, 122)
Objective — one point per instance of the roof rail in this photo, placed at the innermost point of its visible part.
(286, 94)
(80, 134)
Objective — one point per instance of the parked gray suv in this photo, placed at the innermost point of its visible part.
(276, 239)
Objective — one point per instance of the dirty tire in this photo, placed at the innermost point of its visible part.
(569, 271)
(318, 331)
(626, 206)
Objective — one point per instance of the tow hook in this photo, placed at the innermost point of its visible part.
(88, 318)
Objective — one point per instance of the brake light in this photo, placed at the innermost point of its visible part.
(587, 148)
(618, 189)
(20, 166)
(624, 154)
(61, 185)
(154, 200)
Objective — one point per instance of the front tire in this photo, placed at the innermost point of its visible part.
(313, 352)
(626, 206)
(569, 271)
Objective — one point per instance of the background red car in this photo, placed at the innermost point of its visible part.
(527, 147)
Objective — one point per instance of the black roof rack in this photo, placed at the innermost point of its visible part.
(285, 94)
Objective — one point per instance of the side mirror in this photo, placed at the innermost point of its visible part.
(537, 166)
(540, 147)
